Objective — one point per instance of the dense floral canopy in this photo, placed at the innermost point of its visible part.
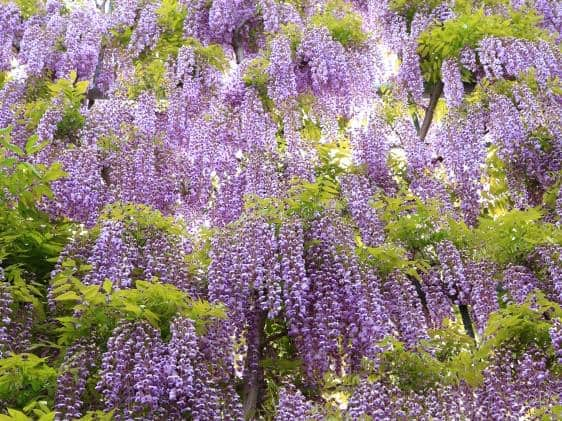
(263, 209)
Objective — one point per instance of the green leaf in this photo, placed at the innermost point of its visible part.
(54, 172)
(15, 415)
(68, 296)
(107, 286)
(32, 146)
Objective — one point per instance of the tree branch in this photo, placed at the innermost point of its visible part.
(94, 92)
(436, 92)
(238, 49)
(421, 295)
(252, 393)
(466, 320)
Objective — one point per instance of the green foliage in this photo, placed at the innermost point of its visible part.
(98, 416)
(25, 378)
(440, 42)
(411, 222)
(408, 8)
(548, 413)
(24, 290)
(149, 75)
(171, 15)
(70, 89)
(519, 327)
(27, 8)
(294, 33)
(28, 237)
(551, 195)
(95, 311)
(497, 197)
(211, 54)
(409, 370)
(256, 76)
(150, 68)
(388, 258)
(143, 218)
(344, 24)
(449, 357)
(304, 198)
(510, 237)
(446, 358)
(39, 410)
(392, 108)
(71, 92)
(122, 36)
(199, 259)
(311, 131)
(40, 415)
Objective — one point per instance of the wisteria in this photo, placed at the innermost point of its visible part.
(454, 276)
(281, 71)
(130, 370)
(453, 89)
(5, 302)
(147, 31)
(293, 405)
(271, 209)
(520, 281)
(80, 360)
(323, 63)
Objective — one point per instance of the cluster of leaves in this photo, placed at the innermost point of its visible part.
(446, 40)
(520, 327)
(95, 311)
(511, 237)
(70, 92)
(449, 357)
(25, 378)
(508, 237)
(410, 221)
(27, 236)
(344, 25)
(408, 8)
(388, 258)
(143, 217)
(27, 8)
(150, 67)
(256, 76)
(294, 33)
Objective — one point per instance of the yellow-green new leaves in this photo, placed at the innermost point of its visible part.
(387, 258)
(24, 377)
(40, 414)
(518, 327)
(446, 40)
(95, 310)
(411, 222)
(27, 8)
(256, 75)
(69, 92)
(344, 24)
(511, 237)
(28, 237)
(505, 238)
(71, 89)
(143, 217)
